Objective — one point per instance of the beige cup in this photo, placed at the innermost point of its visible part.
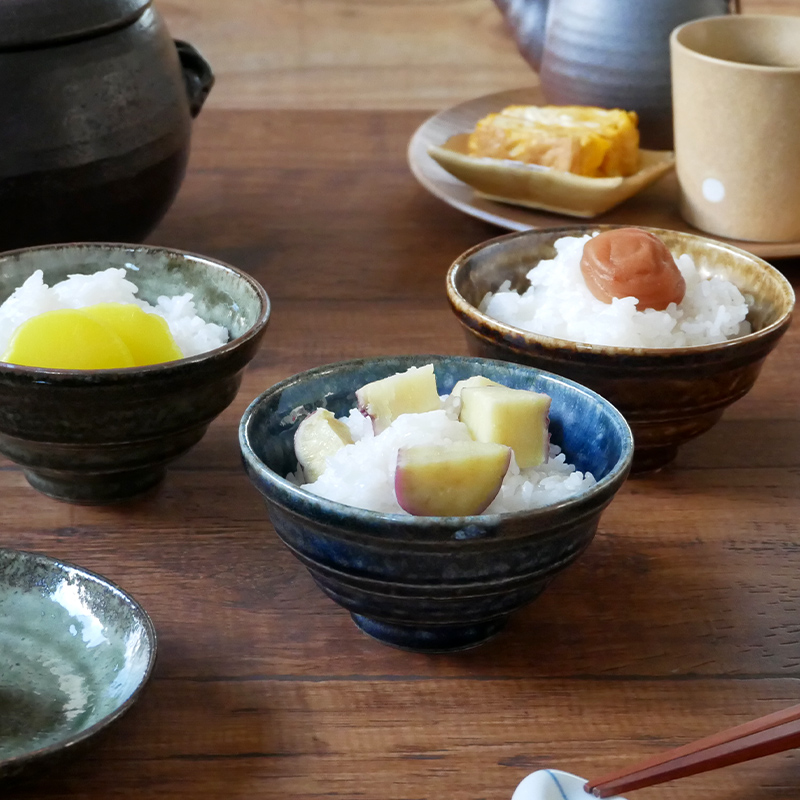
(736, 110)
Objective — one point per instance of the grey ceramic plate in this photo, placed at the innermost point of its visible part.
(656, 206)
(75, 651)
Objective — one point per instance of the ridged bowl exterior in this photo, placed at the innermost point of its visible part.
(668, 395)
(431, 583)
(105, 435)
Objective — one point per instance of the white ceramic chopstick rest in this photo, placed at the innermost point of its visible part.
(552, 784)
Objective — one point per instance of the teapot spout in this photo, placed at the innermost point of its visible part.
(527, 20)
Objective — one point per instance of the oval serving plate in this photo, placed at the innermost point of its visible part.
(75, 652)
(656, 206)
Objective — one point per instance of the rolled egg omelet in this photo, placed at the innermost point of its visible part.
(584, 140)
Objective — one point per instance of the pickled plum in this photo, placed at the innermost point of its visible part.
(630, 262)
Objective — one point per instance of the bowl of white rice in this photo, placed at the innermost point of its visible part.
(432, 583)
(97, 436)
(672, 372)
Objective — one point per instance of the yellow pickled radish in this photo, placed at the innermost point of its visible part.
(147, 335)
(67, 339)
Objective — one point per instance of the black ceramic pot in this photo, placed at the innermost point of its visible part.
(98, 101)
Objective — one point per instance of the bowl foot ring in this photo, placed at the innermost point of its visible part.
(430, 639)
(91, 490)
(650, 459)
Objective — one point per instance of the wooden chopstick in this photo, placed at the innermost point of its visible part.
(764, 736)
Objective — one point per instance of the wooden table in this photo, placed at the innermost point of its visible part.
(679, 620)
(683, 617)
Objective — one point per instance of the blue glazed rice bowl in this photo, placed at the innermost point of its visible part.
(432, 583)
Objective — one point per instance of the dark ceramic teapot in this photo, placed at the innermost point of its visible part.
(608, 53)
(97, 107)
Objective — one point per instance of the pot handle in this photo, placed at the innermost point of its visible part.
(197, 75)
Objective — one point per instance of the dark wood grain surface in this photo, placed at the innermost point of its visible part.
(682, 618)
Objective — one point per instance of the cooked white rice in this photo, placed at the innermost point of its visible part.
(559, 304)
(362, 474)
(192, 334)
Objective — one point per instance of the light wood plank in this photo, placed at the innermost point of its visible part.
(360, 54)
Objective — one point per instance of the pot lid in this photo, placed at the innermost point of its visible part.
(25, 23)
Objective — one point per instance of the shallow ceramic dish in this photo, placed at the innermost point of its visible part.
(105, 435)
(432, 583)
(668, 395)
(533, 186)
(75, 653)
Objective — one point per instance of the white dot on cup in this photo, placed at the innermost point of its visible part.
(713, 190)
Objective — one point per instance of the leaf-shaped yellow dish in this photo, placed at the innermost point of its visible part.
(543, 188)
